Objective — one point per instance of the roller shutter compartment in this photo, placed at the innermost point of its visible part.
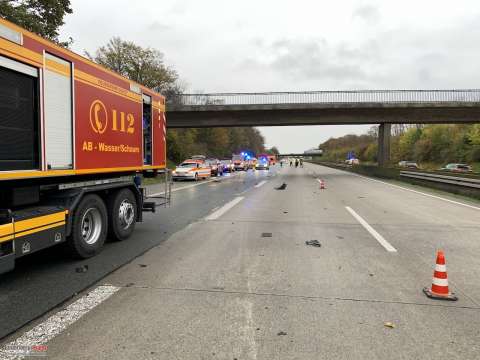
(19, 124)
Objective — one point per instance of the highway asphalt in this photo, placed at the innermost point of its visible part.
(234, 279)
(43, 280)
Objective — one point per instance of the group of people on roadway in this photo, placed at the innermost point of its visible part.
(297, 162)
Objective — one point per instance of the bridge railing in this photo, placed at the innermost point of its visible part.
(311, 97)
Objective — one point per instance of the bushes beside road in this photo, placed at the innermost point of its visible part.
(431, 146)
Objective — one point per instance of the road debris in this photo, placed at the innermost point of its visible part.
(313, 243)
(281, 187)
(285, 212)
(389, 325)
(281, 333)
(130, 284)
(82, 269)
(340, 237)
(266, 234)
(142, 265)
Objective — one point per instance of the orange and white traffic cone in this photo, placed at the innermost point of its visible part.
(439, 289)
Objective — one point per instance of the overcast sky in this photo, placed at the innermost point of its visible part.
(285, 45)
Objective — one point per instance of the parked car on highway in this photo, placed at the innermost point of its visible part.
(251, 163)
(408, 164)
(239, 162)
(228, 165)
(457, 168)
(216, 166)
(262, 164)
(191, 169)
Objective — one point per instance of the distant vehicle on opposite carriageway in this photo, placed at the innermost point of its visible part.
(408, 164)
(463, 168)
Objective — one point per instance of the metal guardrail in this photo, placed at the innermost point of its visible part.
(455, 180)
(313, 97)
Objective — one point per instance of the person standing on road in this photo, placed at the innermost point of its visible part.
(296, 163)
(291, 162)
(301, 163)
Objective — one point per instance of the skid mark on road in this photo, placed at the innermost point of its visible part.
(306, 297)
(54, 325)
(371, 230)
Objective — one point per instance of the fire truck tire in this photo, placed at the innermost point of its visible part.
(122, 214)
(89, 227)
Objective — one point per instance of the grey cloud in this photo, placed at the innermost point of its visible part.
(158, 26)
(367, 13)
(303, 60)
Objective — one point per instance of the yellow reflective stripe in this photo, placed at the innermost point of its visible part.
(159, 107)
(63, 51)
(20, 53)
(43, 228)
(6, 229)
(6, 238)
(107, 86)
(57, 67)
(6, 232)
(29, 224)
(10, 175)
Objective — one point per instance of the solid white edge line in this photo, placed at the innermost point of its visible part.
(216, 214)
(260, 183)
(56, 323)
(418, 192)
(371, 230)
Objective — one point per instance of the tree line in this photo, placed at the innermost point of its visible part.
(144, 65)
(431, 145)
(213, 142)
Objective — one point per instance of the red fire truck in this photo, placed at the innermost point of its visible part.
(74, 138)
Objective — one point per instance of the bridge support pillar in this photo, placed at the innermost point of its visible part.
(384, 144)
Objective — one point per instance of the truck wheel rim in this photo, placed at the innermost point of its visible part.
(126, 214)
(91, 226)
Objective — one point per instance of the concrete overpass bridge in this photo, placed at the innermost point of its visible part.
(384, 107)
(298, 155)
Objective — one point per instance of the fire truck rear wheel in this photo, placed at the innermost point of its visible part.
(122, 214)
(89, 227)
